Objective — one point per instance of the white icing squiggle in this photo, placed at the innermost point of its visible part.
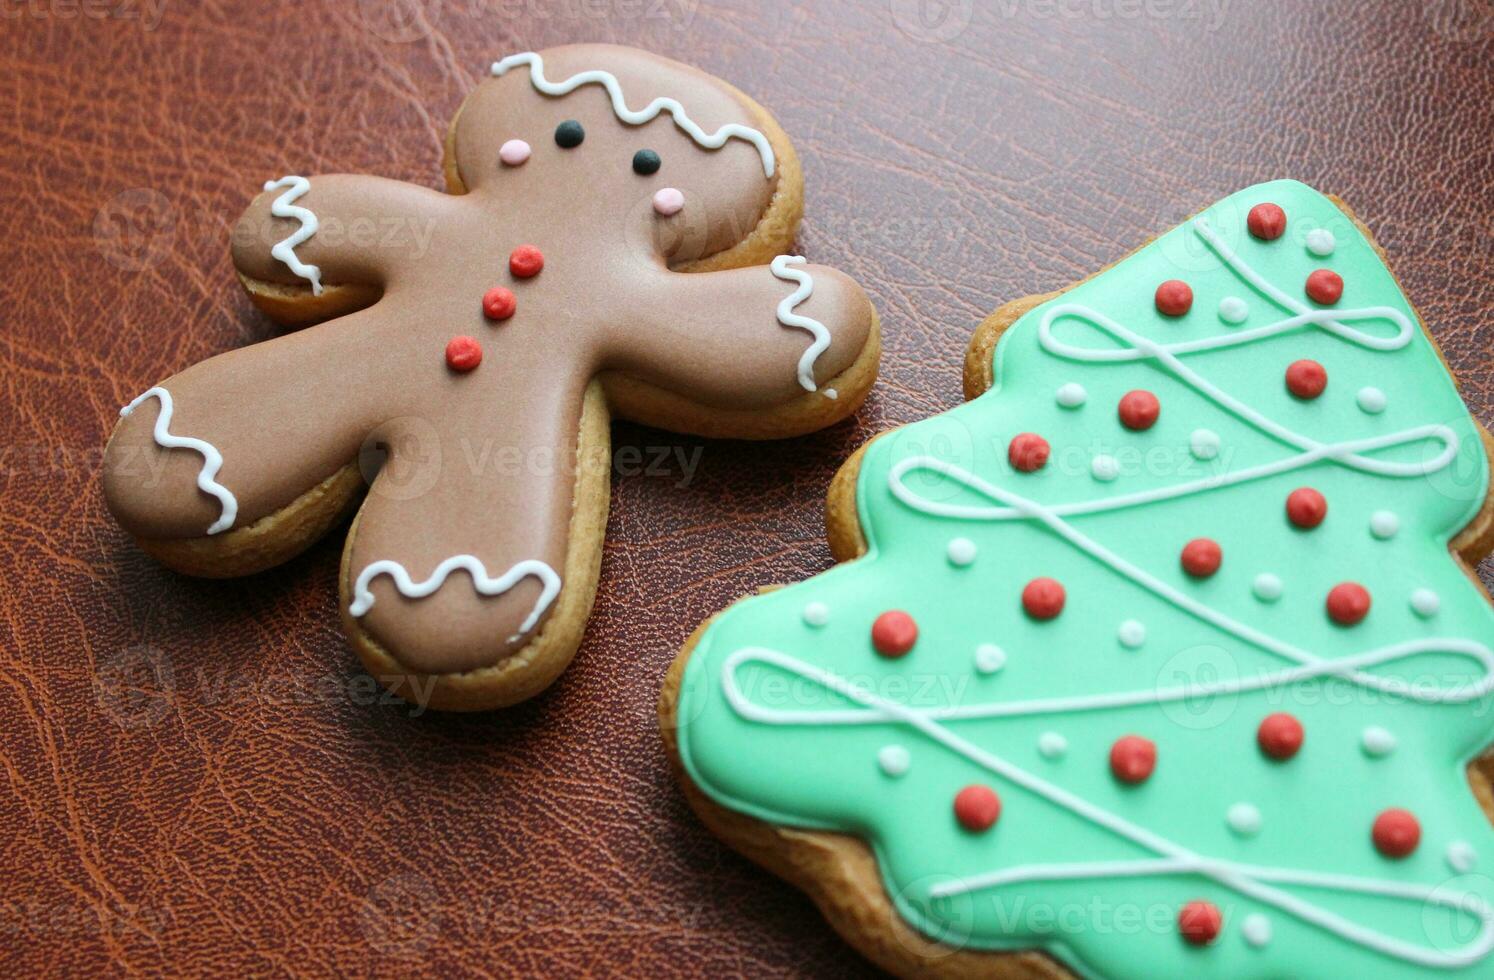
(1253, 881)
(781, 267)
(711, 141)
(284, 206)
(212, 460)
(363, 599)
(1018, 506)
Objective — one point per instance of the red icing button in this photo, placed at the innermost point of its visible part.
(894, 633)
(1139, 410)
(1306, 379)
(1200, 922)
(1132, 759)
(1348, 603)
(1201, 557)
(1028, 452)
(1396, 833)
(1280, 736)
(1174, 298)
(1306, 508)
(1043, 598)
(499, 303)
(463, 354)
(526, 261)
(1267, 222)
(977, 807)
(1325, 286)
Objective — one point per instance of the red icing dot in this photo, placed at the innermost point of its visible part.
(1132, 759)
(499, 303)
(1348, 603)
(1280, 736)
(1325, 286)
(894, 633)
(525, 261)
(1306, 379)
(463, 354)
(977, 807)
(1267, 222)
(1043, 598)
(1396, 833)
(1200, 922)
(1201, 557)
(1028, 452)
(1306, 508)
(1139, 410)
(1174, 298)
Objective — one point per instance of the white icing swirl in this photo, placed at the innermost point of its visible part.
(363, 599)
(212, 460)
(284, 206)
(711, 141)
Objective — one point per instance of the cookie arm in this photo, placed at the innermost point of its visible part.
(752, 340)
(337, 230)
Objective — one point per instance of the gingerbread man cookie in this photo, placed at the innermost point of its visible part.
(613, 242)
(1161, 657)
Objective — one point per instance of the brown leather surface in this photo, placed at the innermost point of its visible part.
(197, 775)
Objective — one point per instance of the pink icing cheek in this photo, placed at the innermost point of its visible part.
(514, 152)
(668, 201)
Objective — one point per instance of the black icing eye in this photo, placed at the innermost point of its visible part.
(569, 134)
(645, 162)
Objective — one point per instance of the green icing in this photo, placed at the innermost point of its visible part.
(1316, 810)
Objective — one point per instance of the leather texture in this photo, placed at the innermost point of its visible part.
(199, 778)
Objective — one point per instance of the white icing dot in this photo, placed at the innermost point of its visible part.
(1105, 468)
(1132, 634)
(961, 552)
(1425, 603)
(1320, 242)
(1052, 745)
(1244, 819)
(1071, 395)
(1267, 587)
(1371, 400)
(1461, 856)
(989, 658)
(1377, 742)
(1233, 309)
(831, 393)
(1256, 929)
(894, 760)
(816, 614)
(1204, 443)
(1384, 524)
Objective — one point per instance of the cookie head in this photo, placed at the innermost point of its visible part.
(623, 143)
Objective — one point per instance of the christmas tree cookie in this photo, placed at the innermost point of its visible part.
(1159, 658)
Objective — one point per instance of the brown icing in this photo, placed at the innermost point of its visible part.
(483, 463)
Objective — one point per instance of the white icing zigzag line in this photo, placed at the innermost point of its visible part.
(284, 206)
(363, 599)
(1145, 348)
(212, 460)
(1247, 880)
(711, 141)
(787, 316)
(1346, 668)
(1341, 452)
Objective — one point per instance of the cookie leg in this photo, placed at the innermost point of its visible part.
(469, 573)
